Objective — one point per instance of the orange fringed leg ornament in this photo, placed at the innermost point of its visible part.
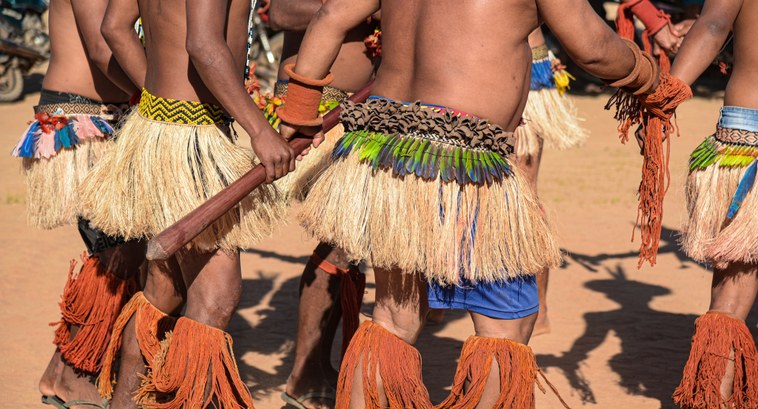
(381, 353)
(352, 287)
(518, 374)
(150, 325)
(655, 112)
(91, 300)
(194, 369)
(717, 336)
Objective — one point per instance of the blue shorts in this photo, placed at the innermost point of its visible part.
(508, 300)
(739, 118)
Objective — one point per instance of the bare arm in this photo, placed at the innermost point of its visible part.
(214, 61)
(587, 39)
(536, 38)
(89, 15)
(705, 39)
(118, 31)
(292, 15)
(327, 31)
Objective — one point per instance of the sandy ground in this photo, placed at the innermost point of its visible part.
(620, 335)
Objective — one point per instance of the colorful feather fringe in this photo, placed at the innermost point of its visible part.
(545, 76)
(425, 156)
(728, 155)
(48, 134)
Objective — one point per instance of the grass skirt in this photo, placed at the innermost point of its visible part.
(722, 202)
(160, 171)
(428, 205)
(552, 117)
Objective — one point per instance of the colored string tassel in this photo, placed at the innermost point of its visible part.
(194, 369)
(91, 300)
(717, 336)
(150, 326)
(352, 287)
(381, 353)
(655, 112)
(518, 375)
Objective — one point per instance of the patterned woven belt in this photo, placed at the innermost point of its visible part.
(70, 109)
(738, 136)
(179, 112)
(540, 52)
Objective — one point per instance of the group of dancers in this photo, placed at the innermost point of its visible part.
(432, 180)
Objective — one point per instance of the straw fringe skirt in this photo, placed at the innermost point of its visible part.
(161, 171)
(443, 229)
(297, 184)
(52, 184)
(552, 117)
(710, 235)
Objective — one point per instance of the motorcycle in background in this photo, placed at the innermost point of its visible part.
(23, 43)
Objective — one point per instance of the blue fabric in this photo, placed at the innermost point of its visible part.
(739, 118)
(512, 299)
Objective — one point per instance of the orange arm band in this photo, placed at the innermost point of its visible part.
(642, 78)
(303, 98)
(653, 19)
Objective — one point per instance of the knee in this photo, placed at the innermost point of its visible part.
(519, 330)
(405, 325)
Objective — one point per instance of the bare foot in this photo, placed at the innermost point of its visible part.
(72, 386)
(51, 374)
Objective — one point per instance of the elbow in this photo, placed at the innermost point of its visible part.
(199, 48)
(110, 31)
(277, 20)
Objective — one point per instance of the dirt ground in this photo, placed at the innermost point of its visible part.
(620, 335)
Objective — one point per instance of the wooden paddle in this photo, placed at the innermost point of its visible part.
(169, 241)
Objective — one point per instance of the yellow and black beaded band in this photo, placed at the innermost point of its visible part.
(328, 94)
(179, 112)
(540, 52)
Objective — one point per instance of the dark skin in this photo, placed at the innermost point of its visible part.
(118, 31)
(81, 63)
(80, 60)
(450, 53)
(735, 285)
(196, 51)
(319, 311)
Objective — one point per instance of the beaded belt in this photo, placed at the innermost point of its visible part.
(179, 112)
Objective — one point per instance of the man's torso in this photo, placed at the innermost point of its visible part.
(170, 73)
(472, 56)
(69, 69)
(742, 90)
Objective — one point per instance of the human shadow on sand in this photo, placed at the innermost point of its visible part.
(654, 344)
(274, 329)
(669, 245)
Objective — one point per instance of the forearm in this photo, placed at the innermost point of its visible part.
(115, 72)
(128, 51)
(292, 15)
(214, 62)
(327, 31)
(701, 45)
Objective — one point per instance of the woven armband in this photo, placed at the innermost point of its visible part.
(653, 19)
(642, 78)
(303, 99)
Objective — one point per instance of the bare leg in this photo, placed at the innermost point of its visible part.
(318, 316)
(401, 308)
(530, 165)
(518, 330)
(733, 291)
(122, 261)
(165, 290)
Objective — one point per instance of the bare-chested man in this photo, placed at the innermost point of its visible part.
(83, 94)
(172, 153)
(328, 272)
(428, 190)
(722, 200)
